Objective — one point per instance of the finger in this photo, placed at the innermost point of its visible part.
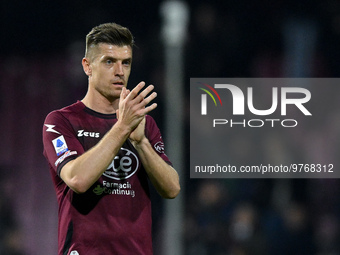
(150, 108)
(123, 93)
(136, 90)
(146, 91)
(140, 99)
(142, 104)
(149, 98)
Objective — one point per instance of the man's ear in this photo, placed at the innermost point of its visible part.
(86, 66)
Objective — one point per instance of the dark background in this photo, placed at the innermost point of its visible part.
(42, 43)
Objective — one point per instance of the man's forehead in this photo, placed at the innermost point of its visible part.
(105, 47)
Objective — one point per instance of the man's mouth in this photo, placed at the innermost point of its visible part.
(118, 83)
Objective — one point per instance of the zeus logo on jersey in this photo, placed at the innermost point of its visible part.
(123, 166)
(88, 134)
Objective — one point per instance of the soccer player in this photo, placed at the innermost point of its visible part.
(102, 150)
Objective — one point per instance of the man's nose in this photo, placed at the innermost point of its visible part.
(119, 69)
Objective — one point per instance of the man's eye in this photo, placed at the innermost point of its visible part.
(109, 62)
(127, 63)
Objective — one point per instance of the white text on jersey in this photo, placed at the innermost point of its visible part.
(88, 134)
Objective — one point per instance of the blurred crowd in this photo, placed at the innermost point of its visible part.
(222, 216)
(10, 230)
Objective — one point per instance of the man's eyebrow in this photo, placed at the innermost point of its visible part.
(127, 59)
(108, 58)
(115, 59)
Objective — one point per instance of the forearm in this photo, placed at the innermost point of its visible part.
(81, 173)
(164, 177)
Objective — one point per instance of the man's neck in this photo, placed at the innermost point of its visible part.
(102, 104)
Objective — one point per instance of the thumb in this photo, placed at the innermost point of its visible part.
(117, 113)
(123, 93)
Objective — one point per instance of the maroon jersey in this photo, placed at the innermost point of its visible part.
(114, 215)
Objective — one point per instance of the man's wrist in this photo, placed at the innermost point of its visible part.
(123, 129)
(141, 143)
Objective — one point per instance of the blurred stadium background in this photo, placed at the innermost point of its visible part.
(42, 43)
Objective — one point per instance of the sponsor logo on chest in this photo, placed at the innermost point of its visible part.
(124, 165)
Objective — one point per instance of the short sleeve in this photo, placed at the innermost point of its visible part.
(60, 141)
(154, 135)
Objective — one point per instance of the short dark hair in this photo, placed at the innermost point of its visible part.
(110, 33)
